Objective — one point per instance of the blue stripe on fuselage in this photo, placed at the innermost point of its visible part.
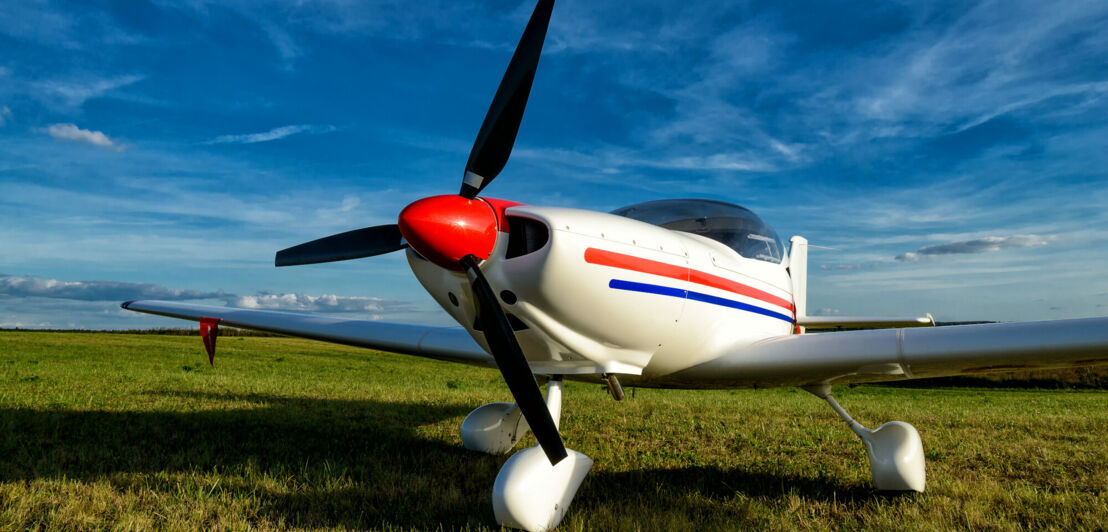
(695, 296)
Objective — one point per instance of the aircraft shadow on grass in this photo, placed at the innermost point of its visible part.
(346, 463)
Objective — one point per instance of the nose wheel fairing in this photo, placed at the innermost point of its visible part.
(529, 493)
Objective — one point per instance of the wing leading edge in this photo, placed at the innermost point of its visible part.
(895, 354)
(443, 343)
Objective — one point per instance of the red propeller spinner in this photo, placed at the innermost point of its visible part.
(443, 229)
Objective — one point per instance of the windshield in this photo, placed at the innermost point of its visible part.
(732, 225)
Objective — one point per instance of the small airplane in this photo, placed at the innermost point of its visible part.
(675, 293)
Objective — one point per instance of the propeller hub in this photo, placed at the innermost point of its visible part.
(443, 229)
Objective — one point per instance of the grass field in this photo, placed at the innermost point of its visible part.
(112, 431)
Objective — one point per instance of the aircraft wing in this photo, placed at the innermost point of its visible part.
(894, 354)
(443, 343)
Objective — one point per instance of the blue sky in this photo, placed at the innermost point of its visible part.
(952, 154)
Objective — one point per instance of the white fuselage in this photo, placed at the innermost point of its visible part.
(608, 294)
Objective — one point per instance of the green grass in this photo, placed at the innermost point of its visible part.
(122, 432)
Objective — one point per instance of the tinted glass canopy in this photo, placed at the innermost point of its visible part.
(736, 227)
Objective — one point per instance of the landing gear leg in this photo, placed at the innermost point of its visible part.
(531, 494)
(895, 450)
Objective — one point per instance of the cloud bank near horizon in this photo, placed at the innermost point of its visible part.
(113, 293)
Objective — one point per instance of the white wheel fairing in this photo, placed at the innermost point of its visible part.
(493, 428)
(896, 459)
(531, 494)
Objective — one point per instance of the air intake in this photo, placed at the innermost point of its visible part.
(525, 236)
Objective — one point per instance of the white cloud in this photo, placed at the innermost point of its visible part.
(74, 93)
(835, 267)
(744, 162)
(615, 160)
(339, 214)
(73, 133)
(36, 22)
(348, 203)
(13, 286)
(119, 291)
(307, 303)
(977, 245)
(56, 25)
(5, 115)
(24, 325)
(764, 88)
(273, 134)
(284, 44)
(994, 59)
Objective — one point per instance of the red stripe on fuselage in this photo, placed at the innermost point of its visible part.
(681, 273)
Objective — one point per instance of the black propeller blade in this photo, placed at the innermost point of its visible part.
(498, 133)
(354, 244)
(513, 366)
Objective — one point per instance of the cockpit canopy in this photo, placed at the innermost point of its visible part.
(734, 226)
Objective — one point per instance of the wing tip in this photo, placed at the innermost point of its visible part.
(126, 305)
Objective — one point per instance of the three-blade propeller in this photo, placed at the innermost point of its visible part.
(455, 232)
